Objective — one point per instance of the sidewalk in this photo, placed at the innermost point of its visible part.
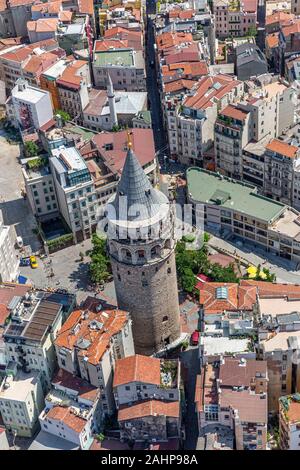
(285, 270)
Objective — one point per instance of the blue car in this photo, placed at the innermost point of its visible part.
(25, 262)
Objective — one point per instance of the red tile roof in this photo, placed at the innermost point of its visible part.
(85, 389)
(86, 6)
(279, 17)
(137, 369)
(142, 145)
(69, 419)
(293, 28)
(106, 44)
(149, 408)
(282, 148)
(181, 14)
(133, 38)
(272, 40)
(209, 90)
(50, 7)
(234, 112)
(168, 40)
(178, 85)
(239, 297)
(272, 290)
(98, 339)
(70, 76)
(43, 25)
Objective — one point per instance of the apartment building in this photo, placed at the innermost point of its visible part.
(73, 37)
(289, 422)
(74, 189)
(151, 420)
(234, 18)
(281, 351)
(41, 29)
(9, 263)
(280, 177)
(249, 61)
(72, 86)
(39, 187)
(218, 299)
(71, 410)
(233, 130)
(21, 401)
(126, 68)
(7, 28)
(127, 16)
(48, 81)
(29, 107)
(230, 206)
(50, 10)
(289, 41)
(21, 14)
(232, 392)
(35, 320)
(133, 39)
(190, 123)
(139, 378)
(89, 344)
(14, 60)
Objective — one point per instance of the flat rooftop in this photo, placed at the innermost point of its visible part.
(283, 341)
(223, 345)
(70, 158)
(278, 306)
(117, 58)
(20, 386)
(209, 187)
(288, 224)
(29, 95)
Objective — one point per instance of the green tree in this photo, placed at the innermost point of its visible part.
(63, 114)
(188, 280)
(100, 263)
(31, 149)
(223, 274)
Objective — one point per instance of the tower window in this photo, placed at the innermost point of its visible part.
(169, 271)
(128, 272)
(143, 273)
(144, 283)
(119, 277)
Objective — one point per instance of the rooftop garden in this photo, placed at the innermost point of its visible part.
(168, 373)
(37, 163)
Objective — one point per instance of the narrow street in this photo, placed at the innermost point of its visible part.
(190, 359)
(152, 87)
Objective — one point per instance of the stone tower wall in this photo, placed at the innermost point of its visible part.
(149, 292)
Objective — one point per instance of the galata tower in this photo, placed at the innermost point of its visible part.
(141, 245)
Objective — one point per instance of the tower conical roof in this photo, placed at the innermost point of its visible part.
(135, 190)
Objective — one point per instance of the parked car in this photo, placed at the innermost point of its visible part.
(195, 338)
(33, 262)
(25, 262)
